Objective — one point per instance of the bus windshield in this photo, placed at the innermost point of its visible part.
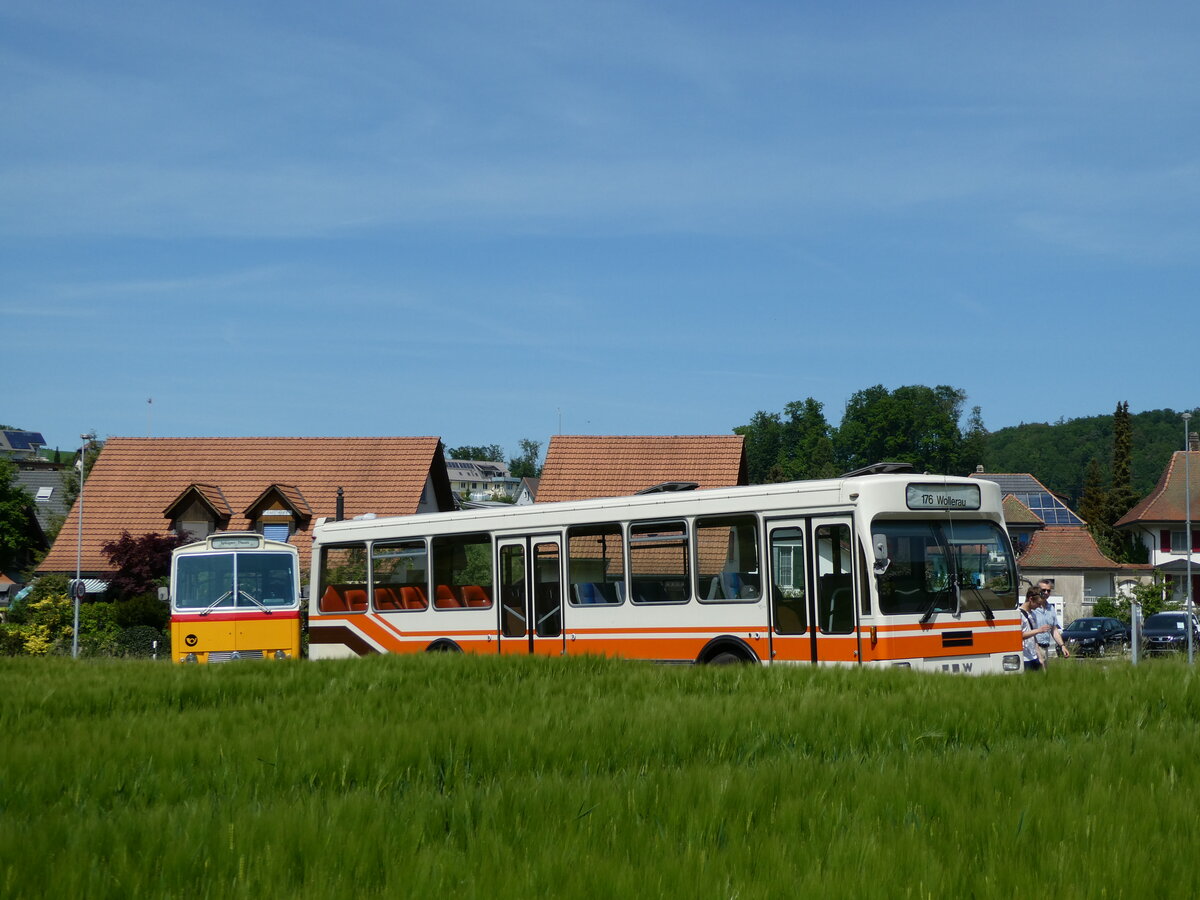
(235, 580)
(940, 566)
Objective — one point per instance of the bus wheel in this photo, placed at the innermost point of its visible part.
(443, 647)
(726, 659)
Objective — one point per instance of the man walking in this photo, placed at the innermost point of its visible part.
(1045, 615)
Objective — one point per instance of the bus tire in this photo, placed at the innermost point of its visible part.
(726, 658)
(726, 651)
(443, 647)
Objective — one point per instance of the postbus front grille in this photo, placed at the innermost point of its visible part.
(233, 655)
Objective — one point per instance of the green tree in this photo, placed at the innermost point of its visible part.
(482, 453)
(973, 451)
(20, 534)
(1121, 496)
(914, 424)
(763, 445)
(525, 465)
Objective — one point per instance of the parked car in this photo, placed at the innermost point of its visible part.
(1166, 632)
(1096, 636)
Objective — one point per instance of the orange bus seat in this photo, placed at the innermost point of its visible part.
(445, 599)
(356, 597)
(385, 598)
(412, 597)
(476, 595)
(333, 600)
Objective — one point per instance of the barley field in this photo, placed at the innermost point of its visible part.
(486, 777)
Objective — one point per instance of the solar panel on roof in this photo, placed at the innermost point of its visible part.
(24, 440)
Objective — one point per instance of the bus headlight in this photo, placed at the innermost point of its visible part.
(279, 654)
(190, 658)
(1012, 663)
(902, 665)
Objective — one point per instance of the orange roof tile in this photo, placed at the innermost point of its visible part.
(1066, 547)
(135, 479)
(1166, 503)
(580, 466)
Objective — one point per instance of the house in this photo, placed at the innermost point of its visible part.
(1049, 507)
(474, 479)
(277, 486)
(527, 493)
(1069, 558)
(1053, 543)
(1160, 521)
(1021, 521)
(580, 467)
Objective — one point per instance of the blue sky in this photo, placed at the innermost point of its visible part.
(490, 221)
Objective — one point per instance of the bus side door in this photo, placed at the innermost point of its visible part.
(813, 611)
(530, 595)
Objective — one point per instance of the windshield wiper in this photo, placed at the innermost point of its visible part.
(255, 602)
(987, 610)
(214, 604)
(933, 606)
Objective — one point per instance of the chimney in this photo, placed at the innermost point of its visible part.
(341, 506)
(979, 470)
(1193, 441)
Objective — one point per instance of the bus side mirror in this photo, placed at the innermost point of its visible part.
(164, 594)
(879, 544)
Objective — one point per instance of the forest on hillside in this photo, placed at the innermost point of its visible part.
(929, 428)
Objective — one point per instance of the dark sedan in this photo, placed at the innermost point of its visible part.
(1096, 636)
(1166, 632)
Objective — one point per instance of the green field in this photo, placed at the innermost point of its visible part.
(471, 777)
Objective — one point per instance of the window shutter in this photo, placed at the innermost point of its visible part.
(275, 532)
(1195, 540)
(1164, 540)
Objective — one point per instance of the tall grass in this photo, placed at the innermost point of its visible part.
(519, 777)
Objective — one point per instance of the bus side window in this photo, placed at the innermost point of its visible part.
(727, 558)
(344, 574)
(462, 571)
(596, 564)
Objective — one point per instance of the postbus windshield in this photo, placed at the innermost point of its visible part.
(235, 581)
(944, 565)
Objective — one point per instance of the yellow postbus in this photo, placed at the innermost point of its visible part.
(235, 595)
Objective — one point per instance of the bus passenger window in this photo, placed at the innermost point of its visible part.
(789, 601)
(658, 562)
(462, 571)
(596, 564)
(727, 559)
(401, 573)
(344, 576)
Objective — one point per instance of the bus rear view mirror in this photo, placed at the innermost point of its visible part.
(879, 544)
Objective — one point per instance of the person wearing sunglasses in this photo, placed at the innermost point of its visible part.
(1045, 615)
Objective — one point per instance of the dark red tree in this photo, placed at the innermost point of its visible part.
(139, 562)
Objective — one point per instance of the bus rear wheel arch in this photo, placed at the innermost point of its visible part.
(443, 646)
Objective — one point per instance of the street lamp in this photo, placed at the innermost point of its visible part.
(77, 587)
(1187, 537)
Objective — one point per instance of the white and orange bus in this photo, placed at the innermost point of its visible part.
(880, 567)
(235, 595)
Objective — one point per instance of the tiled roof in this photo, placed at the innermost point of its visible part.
(582, 466)
(135, 479)
(1166, 503)
(1017, 513)
(1065, 547)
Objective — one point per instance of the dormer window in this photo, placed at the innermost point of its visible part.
(198, 511)
(279, 512)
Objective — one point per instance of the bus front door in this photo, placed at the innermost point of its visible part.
(530, 595)
(813, 611)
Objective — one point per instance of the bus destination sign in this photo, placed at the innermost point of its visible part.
(943, 496)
